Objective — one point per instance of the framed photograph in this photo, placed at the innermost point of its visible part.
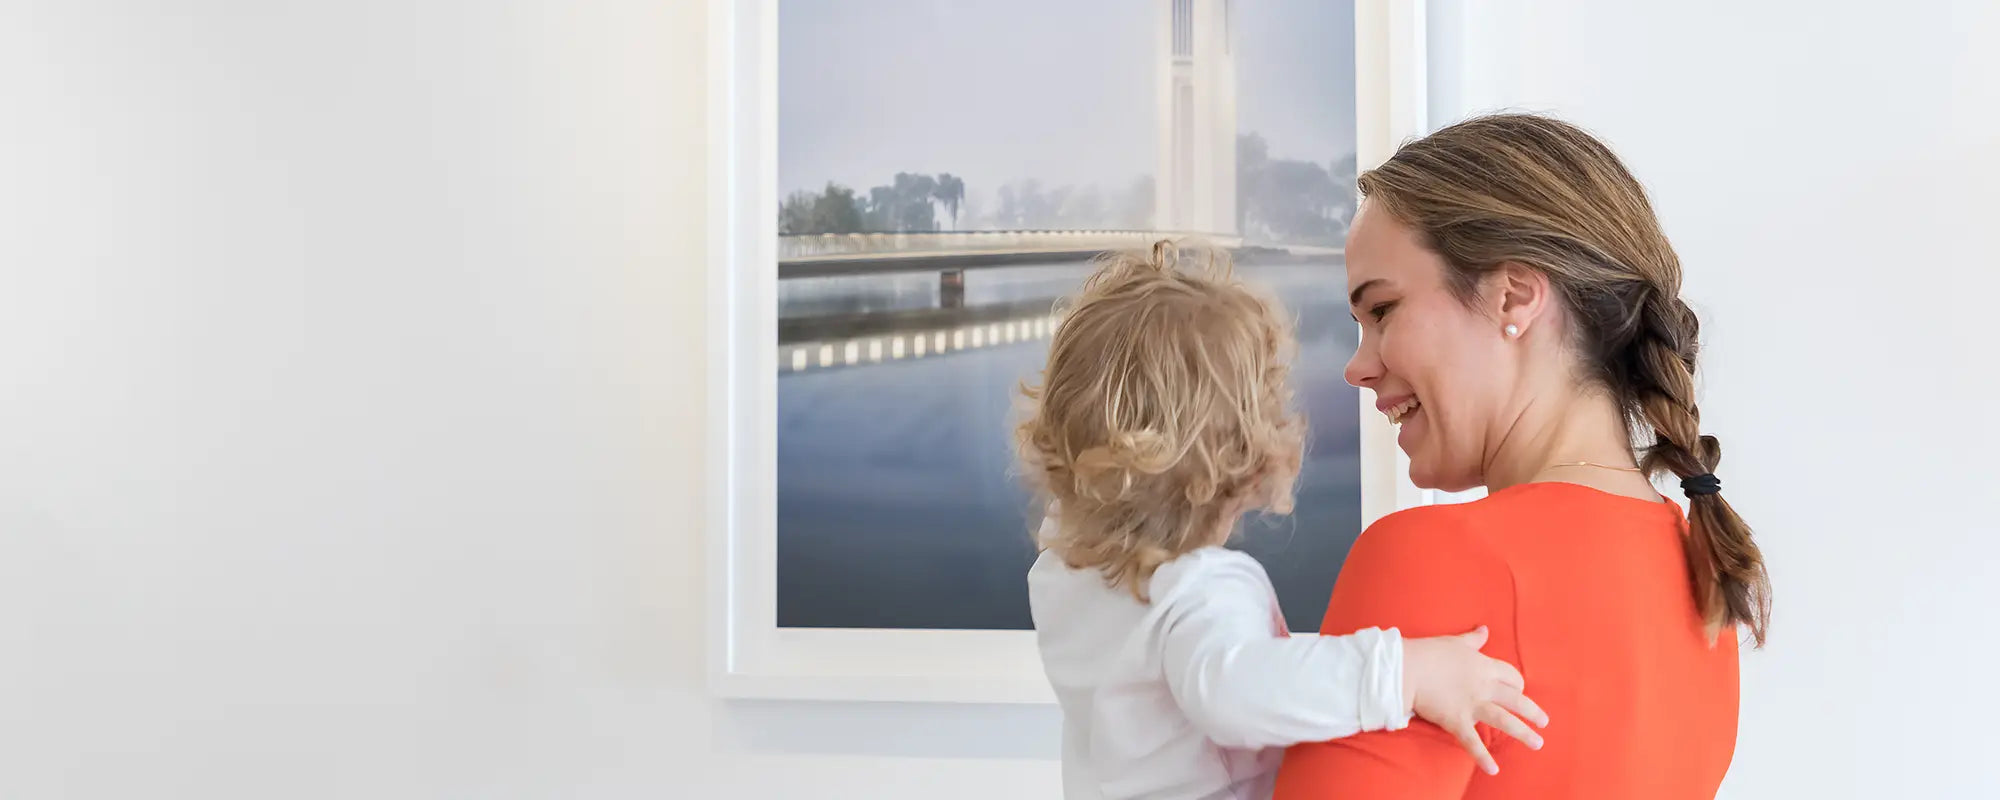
(902, 191)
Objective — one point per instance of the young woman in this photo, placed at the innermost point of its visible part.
(1521, 318)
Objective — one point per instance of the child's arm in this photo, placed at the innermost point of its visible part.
(1246, 688)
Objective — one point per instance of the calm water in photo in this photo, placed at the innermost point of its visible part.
(899, 502)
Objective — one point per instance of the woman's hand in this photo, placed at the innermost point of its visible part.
(1447, 681)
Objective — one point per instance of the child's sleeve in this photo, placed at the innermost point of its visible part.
(1423, 572)
(1245, 686)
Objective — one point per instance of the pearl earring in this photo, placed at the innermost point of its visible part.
(1513, 331)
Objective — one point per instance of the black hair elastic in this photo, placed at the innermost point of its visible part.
(1701, 485)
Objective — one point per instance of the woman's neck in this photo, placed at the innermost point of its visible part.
(1559, 428)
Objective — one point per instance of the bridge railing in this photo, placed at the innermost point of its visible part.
(808, 246)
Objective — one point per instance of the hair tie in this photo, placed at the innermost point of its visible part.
(1701, 485)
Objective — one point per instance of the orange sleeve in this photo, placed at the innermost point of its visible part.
(1423, 572)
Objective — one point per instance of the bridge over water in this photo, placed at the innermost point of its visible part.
(847, 299)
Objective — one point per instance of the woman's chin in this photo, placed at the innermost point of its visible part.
(1422, 480)
(1420, 473)
(1424, 474)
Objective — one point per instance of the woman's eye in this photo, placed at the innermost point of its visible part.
(1380, 310)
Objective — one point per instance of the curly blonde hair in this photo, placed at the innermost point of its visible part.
(1164, 413)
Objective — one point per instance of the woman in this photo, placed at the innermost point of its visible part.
(1520, 317)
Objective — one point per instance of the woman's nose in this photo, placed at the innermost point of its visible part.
(1364, 369)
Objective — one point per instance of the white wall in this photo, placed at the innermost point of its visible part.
(350, 449)
(350, 445)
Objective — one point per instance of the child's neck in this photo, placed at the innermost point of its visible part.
(1224, 532)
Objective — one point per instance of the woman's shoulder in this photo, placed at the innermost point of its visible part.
(1435, 540)
(1528, 503)
(1426, 570)
(1421, 527)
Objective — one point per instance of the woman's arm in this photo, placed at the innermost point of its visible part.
(1423, 572)
(1246, 686)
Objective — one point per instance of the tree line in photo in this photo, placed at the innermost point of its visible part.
(1278, 200)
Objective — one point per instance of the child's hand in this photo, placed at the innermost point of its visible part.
(1447, 681)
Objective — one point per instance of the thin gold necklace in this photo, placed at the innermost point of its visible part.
(1589, 464)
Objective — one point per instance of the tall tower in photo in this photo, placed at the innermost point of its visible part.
(1195, 184)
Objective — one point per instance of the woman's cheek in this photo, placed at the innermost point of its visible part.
(1394, 359)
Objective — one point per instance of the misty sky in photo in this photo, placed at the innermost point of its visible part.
(1057, 90)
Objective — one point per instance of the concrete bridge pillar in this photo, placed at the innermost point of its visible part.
(951, 288)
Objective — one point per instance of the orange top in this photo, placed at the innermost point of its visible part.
(1584, 591)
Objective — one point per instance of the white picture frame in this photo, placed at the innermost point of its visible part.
(749, 656)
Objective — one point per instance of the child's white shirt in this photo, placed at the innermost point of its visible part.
(1195, 695)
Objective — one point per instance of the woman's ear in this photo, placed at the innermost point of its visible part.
(1518, 297)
